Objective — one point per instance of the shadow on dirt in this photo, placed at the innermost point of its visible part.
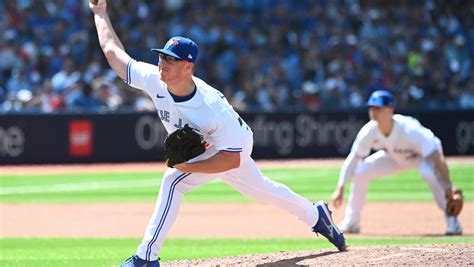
(294, 261)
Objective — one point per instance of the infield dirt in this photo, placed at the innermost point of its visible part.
(410, 255)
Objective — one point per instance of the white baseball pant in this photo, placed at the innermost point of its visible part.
(247, 179)
(378, 165)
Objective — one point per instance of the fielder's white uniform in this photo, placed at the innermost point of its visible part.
(408, 146)
(208, 111)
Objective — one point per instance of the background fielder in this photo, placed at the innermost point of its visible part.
(181, 98)
(401, 143)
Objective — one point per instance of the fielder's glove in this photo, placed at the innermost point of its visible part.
(454, 201)
(183, 145)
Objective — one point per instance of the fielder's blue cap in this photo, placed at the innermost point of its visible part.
(180, 47)
(381, 98)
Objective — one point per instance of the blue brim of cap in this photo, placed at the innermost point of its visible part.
(378, 104)
(166, 52)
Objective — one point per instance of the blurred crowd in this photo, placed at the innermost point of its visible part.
(264, 55)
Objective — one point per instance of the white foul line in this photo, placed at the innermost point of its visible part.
(71, 187)
(56, 188)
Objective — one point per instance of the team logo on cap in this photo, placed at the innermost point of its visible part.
(172, 42)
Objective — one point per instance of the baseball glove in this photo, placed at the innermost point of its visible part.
(183, 145)
(454, 201)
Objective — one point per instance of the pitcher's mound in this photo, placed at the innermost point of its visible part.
(414, 255)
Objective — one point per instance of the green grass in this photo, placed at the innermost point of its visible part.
(313, 183)
(110, 252)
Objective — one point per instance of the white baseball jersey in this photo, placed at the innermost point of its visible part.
(407, 142)
(208, 111)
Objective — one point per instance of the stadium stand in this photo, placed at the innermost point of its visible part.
(266, 55)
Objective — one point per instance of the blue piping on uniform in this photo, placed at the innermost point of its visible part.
(163, 218)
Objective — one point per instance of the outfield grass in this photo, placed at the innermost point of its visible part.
(313, 183)
(110, 252)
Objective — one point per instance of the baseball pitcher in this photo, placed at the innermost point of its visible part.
(207, 140)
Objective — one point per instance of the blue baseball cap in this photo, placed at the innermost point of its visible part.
(381, 98)
(180, 47)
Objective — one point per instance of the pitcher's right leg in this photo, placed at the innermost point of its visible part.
(250, 181)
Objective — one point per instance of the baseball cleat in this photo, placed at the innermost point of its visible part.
(453, 227)
(350, 228)
(326, 227)
(135, 261)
